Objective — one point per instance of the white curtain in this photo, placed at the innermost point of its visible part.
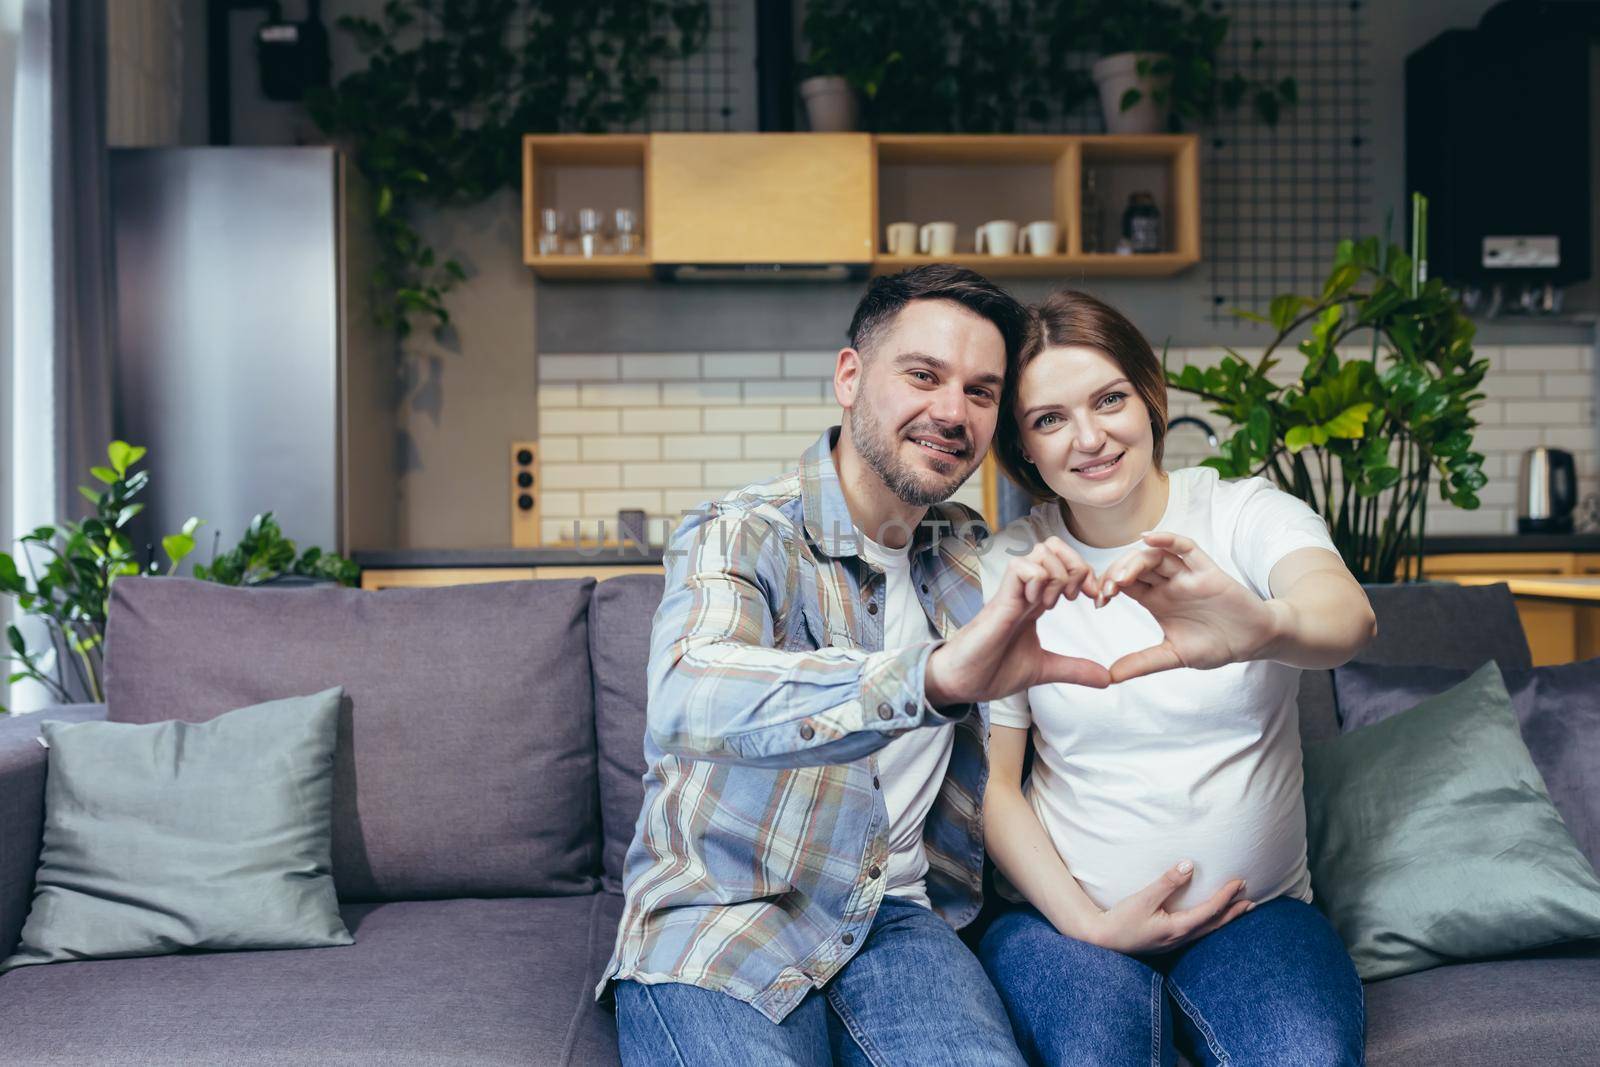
(55, 336)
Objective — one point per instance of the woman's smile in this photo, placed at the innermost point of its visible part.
(1100, 468)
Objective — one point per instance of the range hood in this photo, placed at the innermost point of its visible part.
(760, 207)
(760, 272)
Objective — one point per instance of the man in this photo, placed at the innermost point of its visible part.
(811, 834)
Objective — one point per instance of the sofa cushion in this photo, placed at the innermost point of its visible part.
(1558, 709)
(1535, 1011)
(465, 763)
(1430, 838)
(619, 645)
(1420, 622)
(173, 835)
(507, 981)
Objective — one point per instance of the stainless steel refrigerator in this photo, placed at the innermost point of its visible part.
(247, 359)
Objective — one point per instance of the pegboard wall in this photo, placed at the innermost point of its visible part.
(1275, 199)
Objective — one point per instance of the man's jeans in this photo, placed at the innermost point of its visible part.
(1274, 986)
(914, 994)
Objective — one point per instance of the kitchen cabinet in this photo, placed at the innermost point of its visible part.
(735, 199)
(1561, 626)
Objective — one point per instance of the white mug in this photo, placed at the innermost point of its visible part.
(1040, 239)
(937, 239)
(1001, 237)
(900, 238)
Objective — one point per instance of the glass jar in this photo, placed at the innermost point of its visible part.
(1141, 223)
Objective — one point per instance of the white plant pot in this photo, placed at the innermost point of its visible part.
(830, 104)
(1114, 76)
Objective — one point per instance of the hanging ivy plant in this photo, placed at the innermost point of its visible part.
(436, 118)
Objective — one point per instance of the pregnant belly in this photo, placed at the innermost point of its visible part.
(1114, 858)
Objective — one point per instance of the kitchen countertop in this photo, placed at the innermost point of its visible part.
(1443, 543)
(410, 558)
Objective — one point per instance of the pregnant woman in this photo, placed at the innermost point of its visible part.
(1159, 846)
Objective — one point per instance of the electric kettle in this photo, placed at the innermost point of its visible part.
(1547, 491)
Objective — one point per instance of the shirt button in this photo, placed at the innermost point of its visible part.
(872, 608)
(875, 784)
(885, 711)
(806, 732)
(873, 872)
(848, 939)
(924, 587)
(911, 709)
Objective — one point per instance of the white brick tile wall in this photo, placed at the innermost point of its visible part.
(700, 394)
(581, 475)
(661, 475)
(668, 432)
(817, 365)
(553, 449)
(577, 421)
(632, 447)
(745, 419)
(777, 445)
(653, 420)
(658, 366)
(1524, 358)
(578, 368)
(620, 394)
(741, 365)
(703, 446)
(786, 392)
(812, 420)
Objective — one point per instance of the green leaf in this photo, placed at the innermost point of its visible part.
(1298, 438)
(1283, 310)
(385, 201)
(18, 645)
(177, 547)
(1130, 98)
(94, 497)
(105, 474)
(127, 513)
(1349, 423)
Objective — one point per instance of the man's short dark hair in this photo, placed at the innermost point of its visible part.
(889, 294)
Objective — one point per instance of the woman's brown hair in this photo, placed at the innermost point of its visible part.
(1069, 317)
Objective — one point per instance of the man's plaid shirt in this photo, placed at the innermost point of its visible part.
(755, 868)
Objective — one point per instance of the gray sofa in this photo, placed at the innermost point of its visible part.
(486, 790)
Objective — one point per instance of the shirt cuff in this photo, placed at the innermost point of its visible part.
(893, 693)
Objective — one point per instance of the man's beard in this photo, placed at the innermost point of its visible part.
(877, 449)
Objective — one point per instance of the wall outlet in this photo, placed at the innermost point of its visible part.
(525, 490)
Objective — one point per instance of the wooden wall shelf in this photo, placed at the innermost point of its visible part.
(964, 178)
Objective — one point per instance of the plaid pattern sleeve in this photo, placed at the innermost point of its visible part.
(755, 868)
(722, 684)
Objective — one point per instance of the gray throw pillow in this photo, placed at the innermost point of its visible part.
(1431, 839)
(1558, 709)
(180, 835)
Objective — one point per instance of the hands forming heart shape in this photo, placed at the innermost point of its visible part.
(1207, 620)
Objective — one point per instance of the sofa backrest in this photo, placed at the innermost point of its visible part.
(1437, 623)
(466, 760)
(619, 647)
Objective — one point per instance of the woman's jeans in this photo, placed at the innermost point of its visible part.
(1274, 986)
(913, 994)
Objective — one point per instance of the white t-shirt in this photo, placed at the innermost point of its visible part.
(1203, 765)
(912, 766)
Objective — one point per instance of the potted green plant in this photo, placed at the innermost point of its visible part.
(1358, 439)
(972, 66)
(436, 116)
(70, 568)
(1158, 63)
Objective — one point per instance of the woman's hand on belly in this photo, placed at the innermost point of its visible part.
(1141, 923)
(1207, 618)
